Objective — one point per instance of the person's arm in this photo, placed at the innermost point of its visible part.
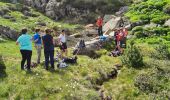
(35, 39)
(17, 42)
(53, 41)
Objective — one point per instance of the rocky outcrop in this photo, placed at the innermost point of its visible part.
(6, 32)
(76, 10)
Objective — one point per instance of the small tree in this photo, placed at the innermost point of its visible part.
(132, 56)
(2, 68)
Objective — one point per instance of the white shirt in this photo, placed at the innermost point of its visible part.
(62, 38)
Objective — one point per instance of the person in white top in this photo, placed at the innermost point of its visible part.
(63, 44)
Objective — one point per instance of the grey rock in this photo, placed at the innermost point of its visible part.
(111, 24)
(6, 32)
(41, 23)
(150, 25)
(122, 10)
(167, 23)
(7, 17)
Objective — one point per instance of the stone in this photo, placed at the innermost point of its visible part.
(111, 24)
(167, 23)
(7, 17)
(150, 25)
(1, 13)
(122, 10)
(6, 32)
(89, 26)
(27, 13)
(41, 23)
(107, 18)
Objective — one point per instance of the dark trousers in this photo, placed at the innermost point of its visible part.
(49, 55)
(26, 56)
(100, 31)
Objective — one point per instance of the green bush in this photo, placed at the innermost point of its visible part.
(132, 57)
(162, 52)
(156, 80)
(167, 9)
(137, 29)
(139, 34)
(2, 68)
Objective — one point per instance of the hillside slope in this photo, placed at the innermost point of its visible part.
(14, 17)
(146, 61)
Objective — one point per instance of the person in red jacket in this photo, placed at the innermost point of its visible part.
(99, 24)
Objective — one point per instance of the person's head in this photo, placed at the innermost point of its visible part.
(63, 31)
(37, 30)
(47, 31)
(99, 17)
(24, 31)
(125, 29)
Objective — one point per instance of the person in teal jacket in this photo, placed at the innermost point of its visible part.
(25, 42)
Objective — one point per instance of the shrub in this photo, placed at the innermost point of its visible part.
(155, 81)
(137, 29)
(167, 9)
(132, 56)
(162, 52)
(2, 68)
(139, 34)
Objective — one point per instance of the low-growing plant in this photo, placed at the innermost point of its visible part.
(132, 56)
(162, 52)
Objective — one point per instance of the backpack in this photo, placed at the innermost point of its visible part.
(70, 60)
(81, 44)
(62, 65)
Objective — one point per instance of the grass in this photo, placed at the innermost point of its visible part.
(74, 82)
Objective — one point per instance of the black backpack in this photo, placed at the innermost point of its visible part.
(81, 44)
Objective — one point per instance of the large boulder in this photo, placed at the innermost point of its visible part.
(6, 32)
(113, 23)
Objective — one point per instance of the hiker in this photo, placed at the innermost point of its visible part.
(63, 45)
(48, 48)
(121, 33)
(99, 24)
(38, 44)
(25, 42)
(116, 52)
(118, 39)
(115, 36)
(125, 36)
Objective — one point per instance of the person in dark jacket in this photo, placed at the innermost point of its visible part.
(48, 48)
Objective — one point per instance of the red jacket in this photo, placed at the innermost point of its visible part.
(118, 37)
(99, 22)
